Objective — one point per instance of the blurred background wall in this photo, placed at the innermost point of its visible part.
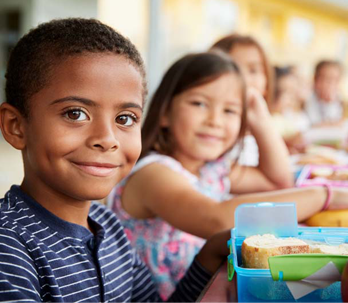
(296, 32)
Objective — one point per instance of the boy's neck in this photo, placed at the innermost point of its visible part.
(64, 207)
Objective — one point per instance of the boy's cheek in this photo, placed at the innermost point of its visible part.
(131, 146)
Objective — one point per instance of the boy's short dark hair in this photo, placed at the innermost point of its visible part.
(323, 63)
(35, 56)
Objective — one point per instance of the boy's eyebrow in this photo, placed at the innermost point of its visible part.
(74, 98)
(92, 103)
(130, 104)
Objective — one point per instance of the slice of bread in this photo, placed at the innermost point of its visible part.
(321, 172)
(341, 249)
(257, 249)
(316, 159)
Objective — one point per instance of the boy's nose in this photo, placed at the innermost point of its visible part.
(103, 137)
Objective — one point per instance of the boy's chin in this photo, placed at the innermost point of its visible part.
(93, 193)
(99, 195)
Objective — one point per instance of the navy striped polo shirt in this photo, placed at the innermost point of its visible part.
(44, 258)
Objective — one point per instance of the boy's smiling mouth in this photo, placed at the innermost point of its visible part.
(96, 169)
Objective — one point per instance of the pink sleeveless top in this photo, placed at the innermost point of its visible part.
(166, 250)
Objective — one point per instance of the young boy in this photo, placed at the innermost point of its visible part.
(325, 107)
(75, 91)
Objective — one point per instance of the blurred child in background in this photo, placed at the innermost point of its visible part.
(325, 106)
(288, 117)
(252, 61)
(171, 199)
(258, 74)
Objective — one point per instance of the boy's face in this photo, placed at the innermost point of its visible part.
(83, 132)
(327, 82)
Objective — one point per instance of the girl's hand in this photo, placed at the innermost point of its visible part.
(296, 143)
(257, 108)
(339, 199)
(215, 251)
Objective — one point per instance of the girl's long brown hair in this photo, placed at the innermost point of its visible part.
(228, 43)
(190, 71)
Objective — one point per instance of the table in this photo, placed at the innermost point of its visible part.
(219, 289)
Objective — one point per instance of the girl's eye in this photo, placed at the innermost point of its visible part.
(126, 120)
(230, 111)
(198, 103)
(255, 69)
(76, 115)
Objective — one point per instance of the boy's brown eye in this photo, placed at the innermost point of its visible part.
(74, 114)
(126, 120)
(121, 120)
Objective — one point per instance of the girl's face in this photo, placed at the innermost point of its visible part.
(205, 121)
(83, 133)
(287, 98)
(327, 83)
(250, 62)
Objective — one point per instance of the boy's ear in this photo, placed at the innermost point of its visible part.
(12, 125)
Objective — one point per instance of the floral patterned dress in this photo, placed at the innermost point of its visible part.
(166, 250)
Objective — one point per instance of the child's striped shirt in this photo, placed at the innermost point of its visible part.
(43, 258)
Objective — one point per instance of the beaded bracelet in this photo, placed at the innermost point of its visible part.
(328, 197)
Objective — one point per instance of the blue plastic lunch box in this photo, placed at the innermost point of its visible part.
(257, 285)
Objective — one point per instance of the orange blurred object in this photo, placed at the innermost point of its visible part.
(329, 218)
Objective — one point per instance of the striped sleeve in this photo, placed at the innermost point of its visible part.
(187, 290)
(192, 284)
(144, 289)
(19, 280)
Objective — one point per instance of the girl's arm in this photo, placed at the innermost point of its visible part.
(158, 191)
(274, 170)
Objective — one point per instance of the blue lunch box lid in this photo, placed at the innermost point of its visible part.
(279, 219)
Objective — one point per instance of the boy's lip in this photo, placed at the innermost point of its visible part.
(96, 168)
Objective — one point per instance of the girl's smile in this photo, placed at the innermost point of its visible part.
(204, 121)
(209, 138)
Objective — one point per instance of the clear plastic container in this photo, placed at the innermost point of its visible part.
(257, 285)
